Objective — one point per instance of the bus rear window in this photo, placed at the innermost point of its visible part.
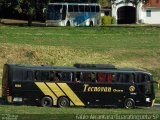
(22, 75)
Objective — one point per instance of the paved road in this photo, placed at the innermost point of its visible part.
(157, 106)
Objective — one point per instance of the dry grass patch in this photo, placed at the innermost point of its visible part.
(62, 55)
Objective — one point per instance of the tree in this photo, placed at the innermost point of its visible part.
(26, 7)
(29, 7)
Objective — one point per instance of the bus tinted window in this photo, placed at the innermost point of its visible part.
(42, 75)
(70, 8)
(125, 77)
(75, 8)
(54, 12)
(86, 77)
(101, 77)
(67, 76)
(22, 75)
(78, 76)
(93, 9)
(142, 78)
(87, 8)
(106, 77)
(97, 9)
(81, 8)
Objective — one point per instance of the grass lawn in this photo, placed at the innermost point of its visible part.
(97, 38)
(124, 47)
(71, 113)
(137, 47)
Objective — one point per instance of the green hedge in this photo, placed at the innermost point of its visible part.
(106, 20)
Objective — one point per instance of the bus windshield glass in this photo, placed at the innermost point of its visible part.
(54, 12)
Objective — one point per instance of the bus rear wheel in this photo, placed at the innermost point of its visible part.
(68, 23)
(129, 103)
(46, 102)
(63, 102)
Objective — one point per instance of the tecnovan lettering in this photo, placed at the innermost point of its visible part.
(88, 88)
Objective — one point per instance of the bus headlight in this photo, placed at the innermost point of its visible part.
(147, 99)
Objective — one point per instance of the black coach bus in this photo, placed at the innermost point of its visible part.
(86, 85)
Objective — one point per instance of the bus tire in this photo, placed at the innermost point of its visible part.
(63, 102)
(91, 23)
(46, 102)
(129, 103)
(68, 23)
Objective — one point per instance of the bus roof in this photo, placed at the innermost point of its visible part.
(67, 68)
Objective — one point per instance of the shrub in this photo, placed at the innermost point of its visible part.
(105, 20)
(113, 20)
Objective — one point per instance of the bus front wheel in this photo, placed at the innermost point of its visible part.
(91, 24)
(46, 102)
(63, 102)
(129, 103)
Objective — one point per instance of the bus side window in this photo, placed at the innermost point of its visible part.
(125, 78)
(97, 8)
(52, 75)
(81, 8)
(75, 8)
(101, 77)
(58, 76)
(67, 76)
(93, 9)
(138, 78)
(87, 8)
(143, 78)
(93, 77)
(42, 75)
(114, 78)
(132, 78)
(87, 76)
(78, 77)
(70, 8)
(109, 77)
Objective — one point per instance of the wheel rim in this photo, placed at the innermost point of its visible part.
(129, 104)
(46, 103)
(63, 103)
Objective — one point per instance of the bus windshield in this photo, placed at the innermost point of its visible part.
(54, 12)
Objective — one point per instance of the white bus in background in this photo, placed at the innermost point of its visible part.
(73, 14)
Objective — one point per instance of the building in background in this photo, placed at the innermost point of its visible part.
(131, 12)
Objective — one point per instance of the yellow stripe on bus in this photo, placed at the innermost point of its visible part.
(55, 89)
(42, 86)
(68, 91)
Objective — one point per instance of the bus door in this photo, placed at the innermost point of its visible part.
(63, 12)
